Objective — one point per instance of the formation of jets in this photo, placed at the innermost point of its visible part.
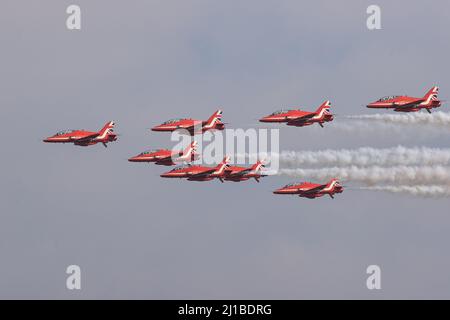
(184, 160)
(223, 171)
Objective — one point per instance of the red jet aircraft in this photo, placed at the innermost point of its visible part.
(312, 190)
(237, 174)
(167, 157)
(193, 126)
(85, 138)
(408, 104)
(299, 118)
(198, 173)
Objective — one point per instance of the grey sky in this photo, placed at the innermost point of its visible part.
(141, 62)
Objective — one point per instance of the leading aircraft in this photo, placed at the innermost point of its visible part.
(85, 138)
(409, 104)
(312, 190)
(237, 174)
(167, 157)
(193, 126)
(299, 118)
(198, 173)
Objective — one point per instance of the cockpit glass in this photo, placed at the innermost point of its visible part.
(150, 151)
(279, 112)
(291, 184)
(387, 98)
(181, 167)
(172, 121)
(60, 133)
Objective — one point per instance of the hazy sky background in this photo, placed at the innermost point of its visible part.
(139, 63)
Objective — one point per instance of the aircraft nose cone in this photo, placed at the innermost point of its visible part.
(278, 191)
(47, 140)
(157, 128)
(165, 175)
(133, 159)
(264, 119)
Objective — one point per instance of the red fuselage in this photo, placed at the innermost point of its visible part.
(298, 118)
(193, 126)
(195, 173)
(311, 190)
(409, 104)
(77, 137)
(163, 157)
(237, 174)
(403, 104)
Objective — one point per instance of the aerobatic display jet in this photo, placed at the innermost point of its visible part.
(168, 157)
(312, 190)
(85, 138)
(237, 174)
(193, 126)
(408, 104)
(300, 118)
(198, 173)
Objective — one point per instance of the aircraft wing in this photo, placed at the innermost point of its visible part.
(408, 104)
(163, 159)
(239, 173)
(203, 173)
(314, 190)
(192, 127)
(303, 118)
(87, 138)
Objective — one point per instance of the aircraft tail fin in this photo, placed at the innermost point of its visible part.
(221, 166)
(188, 152)
(215, 118)
(332, 183)
(257, 166)
(108, 128)
(432, 94)
(324, 107)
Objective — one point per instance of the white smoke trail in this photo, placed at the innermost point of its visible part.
(405, 175)
(364, 157)
(439, 118)
(431, 191)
